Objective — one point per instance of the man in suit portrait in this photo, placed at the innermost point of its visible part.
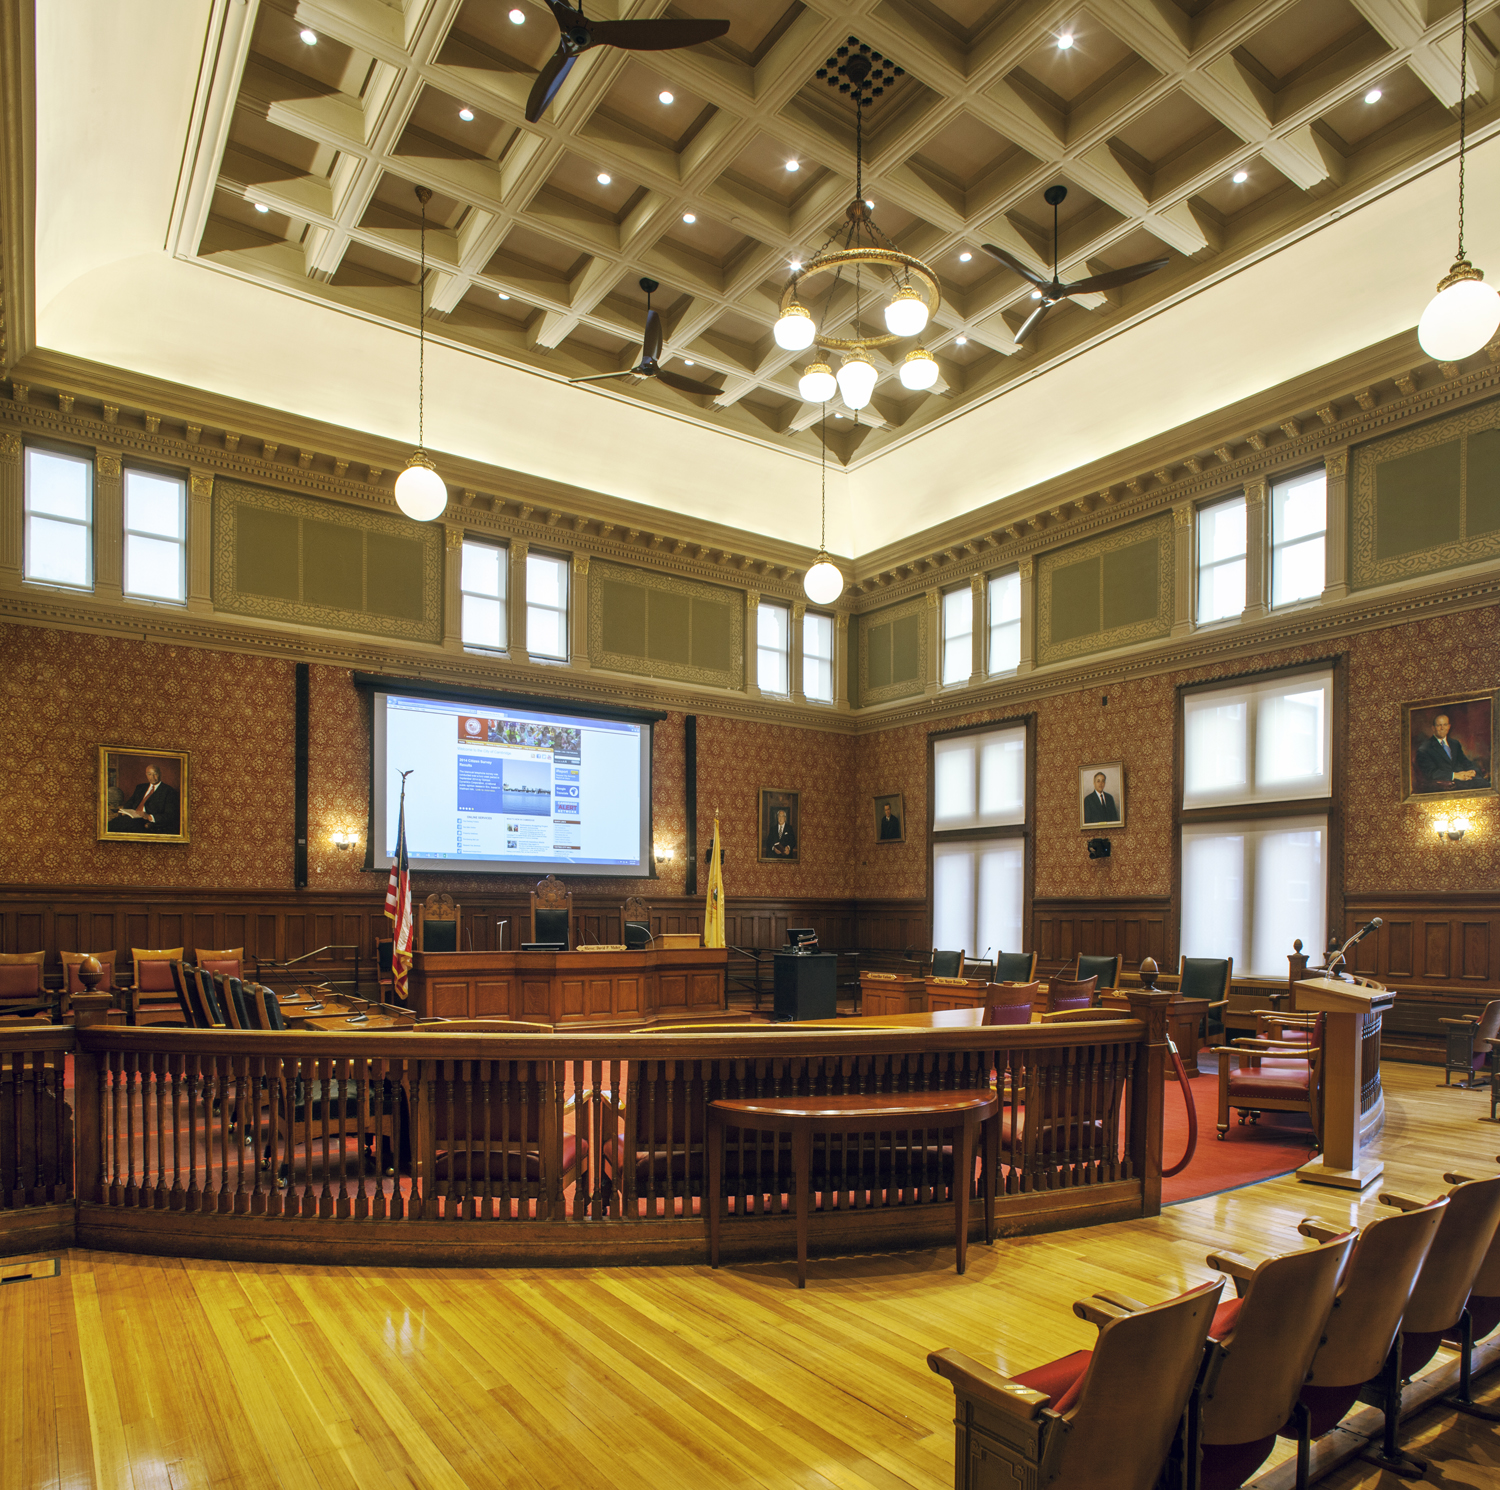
(153, 807)
(1099, 805)
(890, 825)
(1442, 764)
(781, 842)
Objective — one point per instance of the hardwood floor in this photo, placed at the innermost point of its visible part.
(132, 1371)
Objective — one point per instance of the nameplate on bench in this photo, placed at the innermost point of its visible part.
(884, 977)
(952, 982)
(603, 947)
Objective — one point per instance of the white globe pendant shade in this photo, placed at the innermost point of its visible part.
(420, 491)
(906, 315)
(794, 330)
(817, 385)
(1461, 318)
(856, 379)
(919, 371)
(824, 582)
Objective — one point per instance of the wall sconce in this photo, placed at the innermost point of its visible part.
(341, 838)
(664, 853)
(1452, 828)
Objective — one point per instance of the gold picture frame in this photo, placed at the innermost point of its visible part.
(1110, 813)
(1429, 773)
(778, 842)
(884, 832)
(135, 808)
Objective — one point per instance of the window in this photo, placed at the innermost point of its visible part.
(1005, 622)
(482, 583)
(155, 536)
(547, 605)
(817, 657)
(59, 511)
(958, 635)
(1299, 523)
(979, 828)
(1251, 886)
(1221, 560)
(773, 648)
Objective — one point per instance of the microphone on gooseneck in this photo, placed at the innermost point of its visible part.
(502, 925)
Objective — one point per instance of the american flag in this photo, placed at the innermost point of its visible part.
(398, 907)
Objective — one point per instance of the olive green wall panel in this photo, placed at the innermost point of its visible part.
(660, 626)
(310, 562)
(1110, 591)
(892, 647)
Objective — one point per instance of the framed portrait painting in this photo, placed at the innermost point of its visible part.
(143, 795)
(1448, 747)
(780, 826)
(890, 818)
(1101, 796)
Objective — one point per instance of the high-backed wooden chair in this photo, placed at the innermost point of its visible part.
(228, 962)
(21, 988)
(152, 998)
(1010, 1003)
(552, 912)
(205, 998)
(1366, 1315)
(1103, 1418)
(1207, 978)
(1267, 1338)
(1473, 1044)
(947, 964)
(1104, 969)
(437, 924)
(1062, 995)
(1258, 1076)
(1015, 967)
(635, 924)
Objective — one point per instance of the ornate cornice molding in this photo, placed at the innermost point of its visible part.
(17, 180)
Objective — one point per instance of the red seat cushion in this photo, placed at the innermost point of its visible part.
(1280, 1084)
(1079, 1132)
(1061, 1380)
(458, 1164)
(17, 980)
(1226, 1316)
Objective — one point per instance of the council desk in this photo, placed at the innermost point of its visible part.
(568, 987)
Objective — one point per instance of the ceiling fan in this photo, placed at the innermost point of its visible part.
(579, 34)
(648, 366)
(1054, 290)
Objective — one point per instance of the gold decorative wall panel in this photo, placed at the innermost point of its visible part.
(314, 563)
(660, 626)
(893, 652)
(1428, 498)
(1108, 592)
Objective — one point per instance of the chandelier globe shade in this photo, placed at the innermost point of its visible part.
(420, 492)
(817, 384)
(794, 330)
(856, 379)
(906, 315)
(919, 371)
(1461, 318)
(824, 582)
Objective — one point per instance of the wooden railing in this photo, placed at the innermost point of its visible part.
(480, 1148)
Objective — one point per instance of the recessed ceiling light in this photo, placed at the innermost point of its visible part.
(604, 178)
(960, 341)
(665, 97)
(502, 295)
(688, 362)
(794, 165)
(261, 207)
(1240, 177)
(466, 114)
(1374, 96)
(690, 217)
(838, 416)
(965, 256)
(1065, 41)
(309, 36)
(518, 17)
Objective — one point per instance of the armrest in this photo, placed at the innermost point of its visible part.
(1104, 1307)
(1401, 1202)
(1121, 1301)
(1235, 1264)
(1319, 1230)
(1272, 1047)
(1220, 1004)
(1468, 1021)
(1458, 1179)
(974, 1380)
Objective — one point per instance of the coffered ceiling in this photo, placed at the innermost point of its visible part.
(1323, 107)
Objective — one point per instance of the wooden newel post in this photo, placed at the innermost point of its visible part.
(1149, 1005)
(88, 1153)
(1296, 971)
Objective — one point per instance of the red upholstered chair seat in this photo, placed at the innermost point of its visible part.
(1013, 1126)
(17, 980)
(1061, 1380)
(464, 1164)
(1286, 1083)
(1226, 1316)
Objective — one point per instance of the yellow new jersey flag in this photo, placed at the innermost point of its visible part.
(713, 910)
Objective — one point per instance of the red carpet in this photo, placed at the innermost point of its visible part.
(1279, 1143)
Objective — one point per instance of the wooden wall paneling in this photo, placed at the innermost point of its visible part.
(1436, 947)
(1475, 943)
(1062, 929)
(1397, 936)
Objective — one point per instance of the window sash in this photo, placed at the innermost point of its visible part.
(1005, 622)
(817, 657)
(155, 560)
(979, 780)
(483, 602)
(1218, 562)
(978, 895)
(1298, 548)
(958, 636)
(773, 648)
(58, 546)
(547, 614)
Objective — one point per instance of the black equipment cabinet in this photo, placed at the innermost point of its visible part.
(806, 985)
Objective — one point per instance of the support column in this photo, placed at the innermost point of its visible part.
(11, 510)
(1182, 568)
(841, 661)
(981, 629)
(796, 680)
(1257, 551)
(1026, 568)
(934, 642)
(515, 602)
(109, 524)
(578, 613)
(752, 641)
(1336, 544)
(453, 595)
(200, 541)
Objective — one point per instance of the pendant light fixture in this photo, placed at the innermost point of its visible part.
(420, 491)
(824, 582)
(1465, 312)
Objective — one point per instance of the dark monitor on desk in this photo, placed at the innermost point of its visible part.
(801, 936)
(543, 947)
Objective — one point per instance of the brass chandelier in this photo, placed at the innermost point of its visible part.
(913, 287)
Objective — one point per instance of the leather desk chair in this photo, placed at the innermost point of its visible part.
(552, 912)
(1015, 967)
(1207, 978)
(152, 998)
(437, 924)
(21, 988)
(947, 964)
(635, 924)
(1010, 1003)
(1061, 995)
(1105, 970)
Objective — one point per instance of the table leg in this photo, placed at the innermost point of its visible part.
(991, 1172)
(802, 1178)
(963, 1182)
(711, 1201)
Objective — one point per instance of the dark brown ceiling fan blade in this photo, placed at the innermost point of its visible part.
(1030, 323)
(687, 385)
(655, 36)
(629, 372)
(548, 81)
(651, 341)
(1113, 277)
(1016, 266)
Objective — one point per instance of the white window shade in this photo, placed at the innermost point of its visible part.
(1005, 622)
(1221, 560)
(773, 636)
(1299, 521)
(979, 781)
(482, 584)
(817, 656)
(958, 636)
(977, 895)
(1259, 742)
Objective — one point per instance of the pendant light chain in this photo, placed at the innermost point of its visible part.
(422, 196)
(1463, 107)
(823, 487)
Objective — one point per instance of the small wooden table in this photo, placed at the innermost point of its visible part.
(803, 1117)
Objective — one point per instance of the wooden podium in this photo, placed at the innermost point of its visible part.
(1353, 1106)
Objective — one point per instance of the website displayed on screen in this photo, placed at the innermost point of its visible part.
(511, 790)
